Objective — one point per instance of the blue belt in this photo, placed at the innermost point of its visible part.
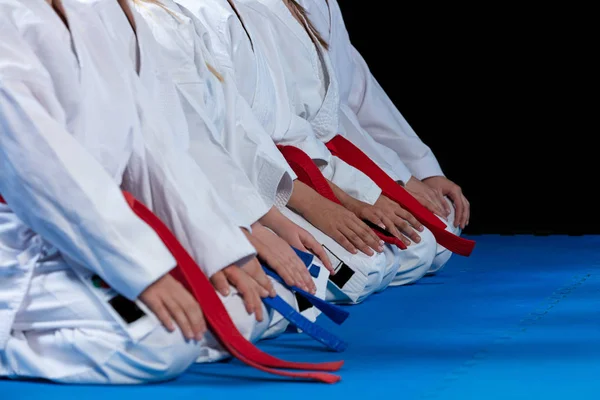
(335, 313)
(301, 322)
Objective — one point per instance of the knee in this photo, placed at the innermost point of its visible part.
(159, 356)
(440, 260)
(376, 267)
(416, 260)
(246, 323)
(423, 252)
(443, 255)
(450, 220)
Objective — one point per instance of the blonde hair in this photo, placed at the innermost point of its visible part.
(212, 69)
(302, 15)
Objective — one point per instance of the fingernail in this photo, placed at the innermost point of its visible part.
(199, 336)
(418, 240)
(421, 228)
(354, 251)
(382, 226)
(381, 242)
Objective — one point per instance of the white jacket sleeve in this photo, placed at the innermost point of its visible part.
(228, 178)
(244, 138)
(62, 193)
(182, 196)
(183, 95)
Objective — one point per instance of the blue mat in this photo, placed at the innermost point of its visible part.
(519, 319)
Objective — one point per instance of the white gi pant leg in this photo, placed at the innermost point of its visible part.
(63, 333)
(443, 255)
(416, 260)
(361, 276)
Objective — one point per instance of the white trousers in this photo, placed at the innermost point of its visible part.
(361, 275)
(442, 255)
(63, 333)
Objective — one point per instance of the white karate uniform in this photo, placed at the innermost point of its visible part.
(235, 55)
(171, 45)
(370, 118)
(158, 98)
(317, 99)
(67, 218)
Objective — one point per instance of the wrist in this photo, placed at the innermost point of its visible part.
(272, 219)
(304, 199)
(429, 178)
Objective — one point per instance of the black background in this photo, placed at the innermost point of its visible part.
(504, 98)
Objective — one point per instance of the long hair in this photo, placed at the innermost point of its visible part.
(212, 69)
(302, 16)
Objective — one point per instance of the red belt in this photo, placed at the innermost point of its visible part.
(189, 274)
(309, 174)
(344, 149)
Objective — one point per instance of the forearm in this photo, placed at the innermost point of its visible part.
(304, 199)
(347, 201)
(275, 221)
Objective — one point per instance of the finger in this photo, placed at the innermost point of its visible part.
(300, 244)
(466, 211)
(447, 206)
(439, 206)
(242, 282)
(299, 271)
(177, 313)
(252, 296)
(258, 309)
(441, 202)
(361, 239)
(356, 240)
(407, 216)
(265, 283)
(377, 219)
(432, 206)
(320, 253)
(344, 242)
(408, 232)
(314, 246)
(459, 208)
(255, 270)
(284, 273)
(220, 283)
(304, 275)
(368, 235)
(195, 316)
(296, 269)
(159, 309)
(390, 226)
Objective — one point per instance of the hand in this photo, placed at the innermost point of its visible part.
(400, 219)
(431, 198)
(170, 301)
(295, 236)
(334, 220)
(281, 258)
(448, 188)
(251, 291)
(344, 227)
